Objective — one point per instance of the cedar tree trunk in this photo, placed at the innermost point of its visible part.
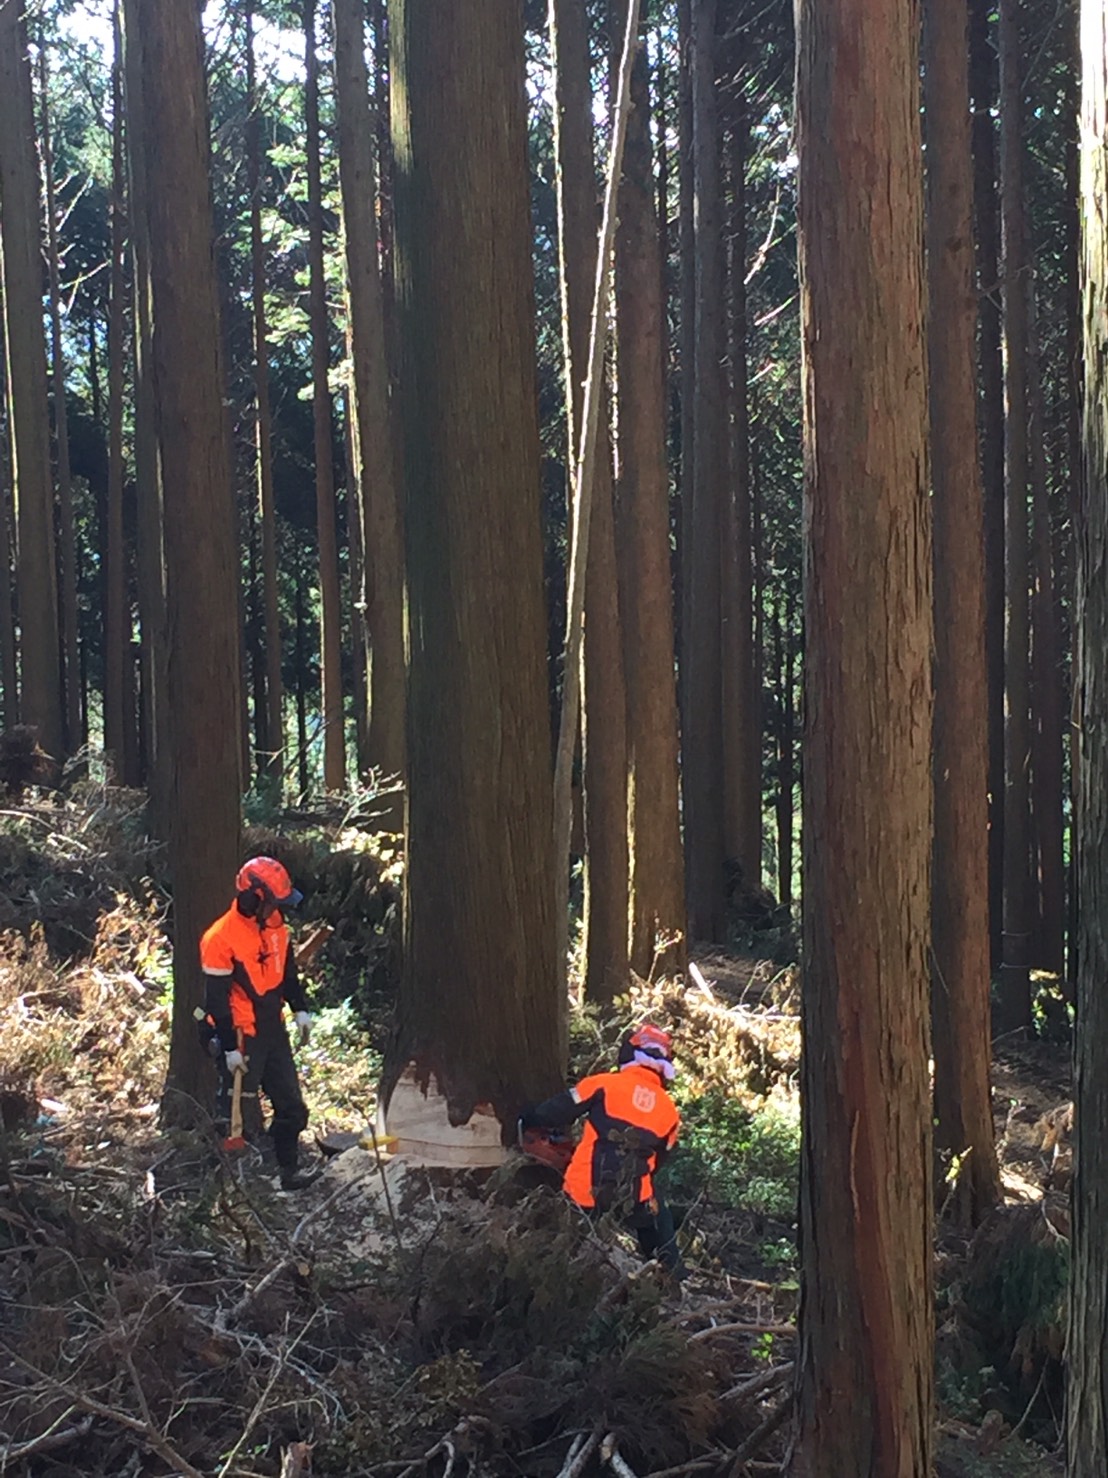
(865, 1365)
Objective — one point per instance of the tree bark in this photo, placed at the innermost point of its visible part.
(120, 747)
(741, 699)
(150, 550)
(785, 676)
(604, 711)
(1047, 699)
(983, 85)
(9, 665)
(21, 258)
(201, 558)
(375, 463)
(1015, 985)
(656, 862)
(480, 1002)
(67, 547)
(330, 630)
(267, 513)
(960, 858)
(1087, 1341)
(865, 1369)
(702, 772)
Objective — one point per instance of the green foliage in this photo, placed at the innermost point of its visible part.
(738, 1156)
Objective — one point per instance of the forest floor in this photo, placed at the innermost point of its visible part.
(164, 1309)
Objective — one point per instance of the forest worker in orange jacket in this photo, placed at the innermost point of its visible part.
(631, 1126)
(250, 975)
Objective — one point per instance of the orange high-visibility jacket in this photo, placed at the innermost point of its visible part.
(631, 1121)
(250, 972)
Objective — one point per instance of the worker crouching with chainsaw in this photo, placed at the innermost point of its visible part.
(250, 975)
(630, 1128)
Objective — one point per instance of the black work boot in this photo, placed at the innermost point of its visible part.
(293, 1179)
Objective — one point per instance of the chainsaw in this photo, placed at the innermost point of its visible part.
(551, 1147)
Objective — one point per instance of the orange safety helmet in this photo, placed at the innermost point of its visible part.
(648, 1046)
(263, 884)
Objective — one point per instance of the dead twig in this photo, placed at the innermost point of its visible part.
(581, 1450)
(151, 1437)
(694, 1465)
(260, 1404)
(764, 1381)
(760, 1435)
(610, 1454)
(741, 1328)
(48, 1441)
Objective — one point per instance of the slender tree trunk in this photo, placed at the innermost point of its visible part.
(67, 556)
(1072, 398)
(604, 715)
(960, 894)
(785, 674)
(375, 465)
(201, 558)
(478, 747)
(1047, 700)
(686, 354)
(654, 828)
(702, 771)
(865, 1363)
(267, 514)
(983, 85)
(9, 667)
(302, 775)
(21, 259)
(1019, 903)
(330, 658)
(119, 747)
(742, 714)
(150, 552)
(359, 629)
(1087, 1341)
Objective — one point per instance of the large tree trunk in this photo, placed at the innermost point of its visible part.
(480, 1001)
(1087, 1342)
(960, 896)
(686, 346)
(1015, 986)
(67, 543)
(120, 737)
(21, 259)
(330, 630)
(150, 551)
(983, 86)
(701, 654)
(604, 712)
(741, 699)
(201, 559)
(374, 443)
(865, 1368)
(656, 862)
(263, 442)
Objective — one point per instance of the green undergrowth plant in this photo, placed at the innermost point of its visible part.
(740, 1155)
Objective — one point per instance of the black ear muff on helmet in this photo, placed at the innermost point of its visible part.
(249, 901)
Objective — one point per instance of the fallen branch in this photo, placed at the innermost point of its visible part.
(581, 1450)
(259, 1405)
(759, 1436)
(296, 1460)
(694, 1465)
(610, 1454)
(151, 1437)
(49, 1441)
(742, 1328)
(757, 1384)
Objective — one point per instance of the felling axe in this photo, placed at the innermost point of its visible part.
(236, 1140)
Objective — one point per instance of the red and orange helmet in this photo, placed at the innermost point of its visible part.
(267, 880)
(650, 1046)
